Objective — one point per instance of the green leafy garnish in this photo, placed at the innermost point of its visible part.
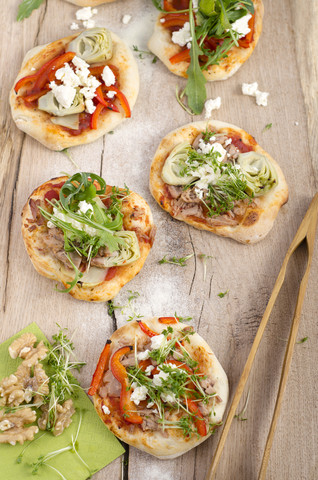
(182, 319)
(303, 340)
(182, 261)
(142, 53)
(222, 294)
(240, 416)
(133, 315)
(26, 7)
(268, 126)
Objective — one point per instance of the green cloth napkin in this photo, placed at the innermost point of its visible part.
(96, 444)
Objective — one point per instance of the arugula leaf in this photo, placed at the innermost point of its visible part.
(195, 88)
(26, 7)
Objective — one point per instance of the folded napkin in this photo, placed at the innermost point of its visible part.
(96, 444)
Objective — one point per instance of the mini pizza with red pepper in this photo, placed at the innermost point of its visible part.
(159, 387)
(214, 176)
(76, 89)
(226, 33)
(90, 236)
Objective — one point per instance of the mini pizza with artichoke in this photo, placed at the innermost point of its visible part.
(76, 89)
(159, 387)
(214, 176)
(91, 237)
(226, 33)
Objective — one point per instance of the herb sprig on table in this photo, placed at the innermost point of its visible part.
(26, 7)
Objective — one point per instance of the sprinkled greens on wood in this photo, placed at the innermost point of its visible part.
(182, 261)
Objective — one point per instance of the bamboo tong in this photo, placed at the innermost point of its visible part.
(306, 230)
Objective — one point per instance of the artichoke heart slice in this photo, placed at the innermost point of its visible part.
(68, 121)
(48, 103)
(259, 173)
(176, 162)
(93, 45)
(128, 251)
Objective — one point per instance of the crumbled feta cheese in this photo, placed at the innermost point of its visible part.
(64, 94)
(108, 76)
(111, 94)
(157, 341)
(212, 147)
(84, 207)
(84, 13)
(89, 93)
(149, 369)
(204, 147)
(105, 409)
(143, 355)
(195, 5)
(182, 36)
(33, 69)
(150, 404)
(139, 394)
(79, 62)
(168, 397)
(162, 20)
(249, 88)
(228, 142)
(67, 76)
(126, 19)
(261, 98)
(89, 106)
(89, 23)
(296, 124)
(241, 25)
(157, 379)
(212, 104)
(94, 11)
(74, 26)
(252, 90)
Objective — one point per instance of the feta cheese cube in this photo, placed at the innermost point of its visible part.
(84, 207)
(139, 394)
(105, 409)
(126, 19)
(157, 341)
(212, 104)
(108, 76)
(249, 88)
(64, 95)
(241, 25)
(89, 23)
(74, 26)
(111, 94)
(84, 13)
(182, 36)
(143, 355)
(261, 98)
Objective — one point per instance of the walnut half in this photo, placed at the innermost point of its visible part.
(22, 345)
(63, 417)
(12, 426)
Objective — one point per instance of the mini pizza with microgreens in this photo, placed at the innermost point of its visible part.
(159, 387)
(214, 176)
(76, 89)
(225, 32)
(91, 237)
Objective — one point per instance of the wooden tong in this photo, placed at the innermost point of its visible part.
(306, 230)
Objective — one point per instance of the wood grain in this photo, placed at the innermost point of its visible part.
(284, 64)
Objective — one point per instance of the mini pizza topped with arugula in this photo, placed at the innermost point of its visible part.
(90, 236)
(159, 387)
(76, 89)
(205, 40)
(215, 177)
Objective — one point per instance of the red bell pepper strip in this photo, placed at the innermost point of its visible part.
(123, 100)
(146, 329)
(100, 369)
(107, 103)
(245, 41)
(111, 272)
(168, 7)
(168, 320)
(52, 66)
(199, 421)
(143, 364)
(95, 115)
(183, 56)
(174, 19)
(127, 407)
(98, 70)
(35, 96)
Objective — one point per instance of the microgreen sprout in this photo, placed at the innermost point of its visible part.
(128, 308)
(303, 340)
(240, 416)
(204, 257)
(67, 153)
(222, 294)
(142, 53)
(182, 261)
(268, 126)
(182, 319)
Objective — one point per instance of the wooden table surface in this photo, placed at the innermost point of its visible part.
(284, 64)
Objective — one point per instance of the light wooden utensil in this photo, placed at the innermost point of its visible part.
(306, 230)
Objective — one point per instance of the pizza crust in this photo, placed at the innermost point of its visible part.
(259, 219)
(49, 266)
(153, 442)
(161, 45)
(37, 123)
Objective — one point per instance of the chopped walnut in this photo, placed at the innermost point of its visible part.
(22, 345)
(21, 387)
(12, 424)
(63, 417)
(35, 355)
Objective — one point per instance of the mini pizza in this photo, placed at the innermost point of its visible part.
(76, 89)
(91, 237)
(226, 34)
(159, 387)
(215, 177)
